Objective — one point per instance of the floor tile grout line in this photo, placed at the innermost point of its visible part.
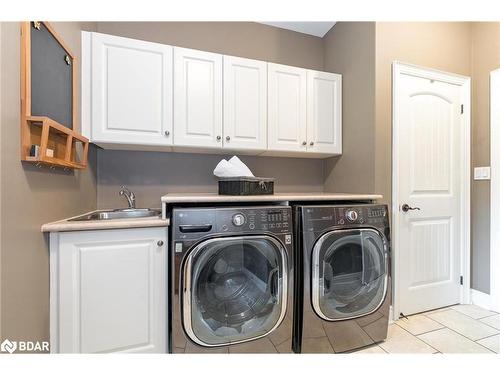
(468, 338)
(418, 338)
(486, 346)
(385, 351)
(487, 337)
(489, 325)
(493, 313)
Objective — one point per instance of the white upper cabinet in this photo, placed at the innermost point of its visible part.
(245, 104)
(197, 98)
(130, 86)
(324, 112)
(150, 96)
(287, 98)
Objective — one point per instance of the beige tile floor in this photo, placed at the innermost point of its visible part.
(454, 329)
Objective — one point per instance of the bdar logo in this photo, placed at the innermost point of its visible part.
(8, 346)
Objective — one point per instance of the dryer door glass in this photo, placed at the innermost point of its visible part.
(235, 289)
(349, 275)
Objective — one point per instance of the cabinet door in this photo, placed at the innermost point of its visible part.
(131, 91)
(108, 291)
(324, 112)
(198, 98)
(245, 104)
(286, 108)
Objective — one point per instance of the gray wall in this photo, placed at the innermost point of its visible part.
(29, 198)
(350, 51)
(152, 174)
(243, 39)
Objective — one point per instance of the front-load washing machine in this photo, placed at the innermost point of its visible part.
(343, 286)
(232, 280)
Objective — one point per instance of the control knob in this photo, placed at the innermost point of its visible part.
(351, 215)
(238, 220)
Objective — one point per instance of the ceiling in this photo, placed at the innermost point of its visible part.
(312, 28)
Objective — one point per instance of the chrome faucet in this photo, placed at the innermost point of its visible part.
(129, 195)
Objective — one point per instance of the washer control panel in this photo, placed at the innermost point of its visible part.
(239, 220)
(351, 215)
(192, 223)
(250, 219)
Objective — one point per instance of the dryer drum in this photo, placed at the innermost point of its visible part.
(352, 274)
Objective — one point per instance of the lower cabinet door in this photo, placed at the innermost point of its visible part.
(109, 291)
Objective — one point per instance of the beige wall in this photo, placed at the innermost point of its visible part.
(243, 39)
(29, 198)
(439, 45)
(152, 174)
(350, 51)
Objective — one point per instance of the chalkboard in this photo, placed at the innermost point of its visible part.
(51, 77)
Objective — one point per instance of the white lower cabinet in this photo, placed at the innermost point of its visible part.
(108, 291)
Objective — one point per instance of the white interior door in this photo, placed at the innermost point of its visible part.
(245, 104)
(197, 98)
(429, 177)
(131, 91)
(287, 98)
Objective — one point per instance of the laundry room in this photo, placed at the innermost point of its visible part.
(186, 185)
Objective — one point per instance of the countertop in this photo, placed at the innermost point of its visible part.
(66, 226)
(216, 198)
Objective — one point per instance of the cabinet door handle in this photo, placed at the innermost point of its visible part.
(218, 138)
(311, 144)
(304, 143)
(160, 243)
(228, 138)
(167, 133)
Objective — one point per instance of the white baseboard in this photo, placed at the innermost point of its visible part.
(480, 299)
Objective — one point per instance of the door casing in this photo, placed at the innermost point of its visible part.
(399, 68)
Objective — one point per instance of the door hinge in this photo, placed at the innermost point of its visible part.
(461, 280)
(461, 109)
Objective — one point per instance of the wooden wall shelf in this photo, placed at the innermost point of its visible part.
(69, 149)
(65, 143)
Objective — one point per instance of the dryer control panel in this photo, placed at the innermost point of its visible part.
(319, 218)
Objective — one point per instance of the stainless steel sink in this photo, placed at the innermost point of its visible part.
(126, 213)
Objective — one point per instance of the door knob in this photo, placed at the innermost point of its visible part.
(311, 144)
(218, 138)
(228, 138)
(405, 208)
(304, 143)
(160, 243)
(167, 133)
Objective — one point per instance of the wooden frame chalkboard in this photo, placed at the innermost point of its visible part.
(48, 100)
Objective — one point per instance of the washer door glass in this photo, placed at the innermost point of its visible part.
(235, 289)
(349, 273)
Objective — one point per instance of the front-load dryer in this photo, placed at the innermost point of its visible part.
(344, 285)
(232, 280)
